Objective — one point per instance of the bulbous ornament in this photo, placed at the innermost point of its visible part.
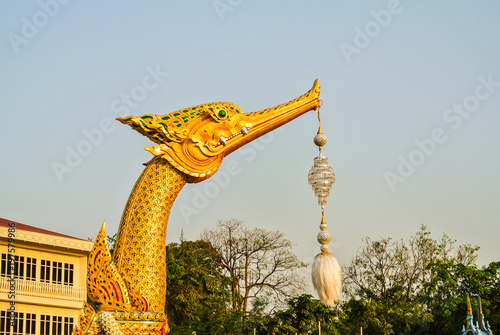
(320, 140)
(324, 237)
(321, 177)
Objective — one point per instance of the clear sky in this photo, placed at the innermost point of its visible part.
(411, 93)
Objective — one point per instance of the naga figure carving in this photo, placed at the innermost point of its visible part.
(127, 290)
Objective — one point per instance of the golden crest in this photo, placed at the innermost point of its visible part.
(104, 284)
(190, 138)
(85, 320)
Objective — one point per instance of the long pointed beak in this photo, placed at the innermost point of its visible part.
(266, 120)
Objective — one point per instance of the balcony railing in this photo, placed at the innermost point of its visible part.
(45, 290)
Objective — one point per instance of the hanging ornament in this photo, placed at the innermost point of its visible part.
(326, 273)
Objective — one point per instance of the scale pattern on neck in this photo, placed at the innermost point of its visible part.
(139, 253)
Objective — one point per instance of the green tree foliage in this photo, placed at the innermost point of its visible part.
(452, 282)
(303, 316)
(196, 290)
(414, 286)
(385, 284)
(392, 315)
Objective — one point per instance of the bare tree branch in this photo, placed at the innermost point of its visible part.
(258, 262)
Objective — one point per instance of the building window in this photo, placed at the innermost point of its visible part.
(68, 274)
(30, 324)
(44, 324)
(14, 267)
(5, 267)
(18, 267)
(45, 271)
(4, 323)
(57, 272)
(56, 325)
(21, 267)
(16, 327)
(68, 325)
(30, 268)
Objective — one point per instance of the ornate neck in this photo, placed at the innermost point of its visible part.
(139, 253)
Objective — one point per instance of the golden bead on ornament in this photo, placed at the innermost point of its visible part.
(320, 138)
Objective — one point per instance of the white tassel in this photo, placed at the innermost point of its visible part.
(327, 278)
